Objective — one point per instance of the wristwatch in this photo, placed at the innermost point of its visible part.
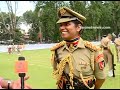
(9, 82)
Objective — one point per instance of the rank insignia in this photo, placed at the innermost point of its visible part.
(101, 65)
(98, 57)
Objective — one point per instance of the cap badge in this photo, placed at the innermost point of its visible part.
(62, 11)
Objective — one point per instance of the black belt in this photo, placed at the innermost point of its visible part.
(78, 84)
(105, 48)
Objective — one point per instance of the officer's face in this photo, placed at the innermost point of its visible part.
(69, 30)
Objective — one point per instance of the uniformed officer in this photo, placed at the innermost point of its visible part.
(117, 44)
(77, 64)
(105, 44)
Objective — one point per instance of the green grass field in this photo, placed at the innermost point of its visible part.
(40, 70)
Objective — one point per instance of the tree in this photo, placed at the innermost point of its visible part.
(98, 14)
(9, 22)
(12, 16)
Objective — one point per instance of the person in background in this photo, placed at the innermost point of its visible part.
(77, 63)
(9, 49)
(117, 44)
(13, 48)
(105, 45)
(18, 48)
(22, 46)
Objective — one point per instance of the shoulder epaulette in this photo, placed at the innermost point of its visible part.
(91, 46)
(58, 45)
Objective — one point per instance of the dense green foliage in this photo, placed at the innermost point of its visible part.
(101, 14)
(103, 17)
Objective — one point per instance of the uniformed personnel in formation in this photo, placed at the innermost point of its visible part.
(105, 45)
(77, 63)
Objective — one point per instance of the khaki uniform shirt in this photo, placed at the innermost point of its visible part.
(81, 59)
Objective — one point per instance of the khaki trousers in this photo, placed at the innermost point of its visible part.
(108, 58)
(118, 52)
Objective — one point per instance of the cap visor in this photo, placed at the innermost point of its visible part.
(65, 20)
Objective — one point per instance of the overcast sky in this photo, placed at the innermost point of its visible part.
(23, 6)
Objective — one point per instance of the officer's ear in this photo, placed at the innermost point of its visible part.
(79, 26)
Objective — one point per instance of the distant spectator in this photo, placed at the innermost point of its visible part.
(9, 49)
(13, 48)
(22, 46)
(18, 49)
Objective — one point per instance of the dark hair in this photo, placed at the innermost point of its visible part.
(76, 22)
